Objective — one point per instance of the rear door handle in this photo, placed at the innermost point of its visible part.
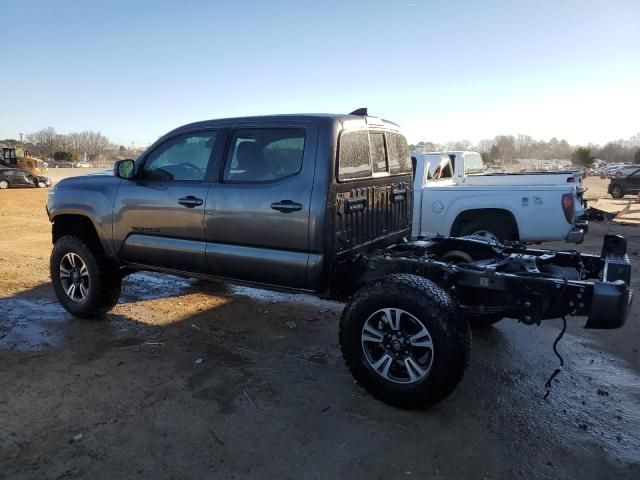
(286, 206)
(190, 201)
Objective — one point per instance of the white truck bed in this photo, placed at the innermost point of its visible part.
(530, 207)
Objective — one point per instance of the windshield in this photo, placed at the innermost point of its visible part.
(473, 165)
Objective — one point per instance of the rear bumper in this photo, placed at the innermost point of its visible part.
(611, 298)
(610, 305)
(575, 235)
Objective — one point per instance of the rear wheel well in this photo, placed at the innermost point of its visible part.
(490, 214)
(77, 226)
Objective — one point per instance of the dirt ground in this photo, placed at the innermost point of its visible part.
(186, 380)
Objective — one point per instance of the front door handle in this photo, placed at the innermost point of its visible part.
(286, 206)
(190, 201)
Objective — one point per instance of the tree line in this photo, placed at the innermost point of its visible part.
(49, 144)
(507, 148)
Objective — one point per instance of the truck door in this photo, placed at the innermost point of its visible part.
(257, 216)
(159, 215)
(632, 182)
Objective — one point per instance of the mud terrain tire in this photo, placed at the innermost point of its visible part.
(104, 281)
(425, 301)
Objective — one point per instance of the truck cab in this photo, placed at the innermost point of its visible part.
(275, 200)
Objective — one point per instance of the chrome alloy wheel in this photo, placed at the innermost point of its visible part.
(397, 346)
(486, 234)
(74, 277)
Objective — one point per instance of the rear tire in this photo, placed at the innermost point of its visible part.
(4, 184)
(491, 228)
(617, 191)
(86, 283)
(424, 307)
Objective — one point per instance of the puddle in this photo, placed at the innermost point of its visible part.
(151, 286)
(595, 393)
(283, 297)
(604, 396)
(30, 325)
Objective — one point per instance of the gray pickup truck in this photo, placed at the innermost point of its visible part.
(320, 204)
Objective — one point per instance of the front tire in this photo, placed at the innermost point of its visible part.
(617, 191)
(86, 284)
(4, 184)
(404, 341)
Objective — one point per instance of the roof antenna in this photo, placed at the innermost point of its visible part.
(362, 112)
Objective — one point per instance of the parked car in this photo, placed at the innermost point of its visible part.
(319, 204)
(606, 170)
(626, 185)
(61, 164)
(17, 178)
(622, 171)
(454, 196)
(82, 165)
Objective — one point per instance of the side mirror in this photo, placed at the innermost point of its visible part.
(124, 169)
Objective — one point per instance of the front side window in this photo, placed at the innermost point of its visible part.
(264, 154)
(182, 158)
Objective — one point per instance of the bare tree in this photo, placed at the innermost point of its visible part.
(43, 141)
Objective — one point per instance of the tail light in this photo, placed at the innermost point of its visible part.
(567, 207)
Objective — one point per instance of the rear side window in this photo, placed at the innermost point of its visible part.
(363, 153)
(378, 152)
(355, 161)
(398, 151)
(264, 154)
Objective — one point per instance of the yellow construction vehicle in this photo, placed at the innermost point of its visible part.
(19, 158)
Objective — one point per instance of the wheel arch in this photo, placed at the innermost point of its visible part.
(495, 213)
(81, 226)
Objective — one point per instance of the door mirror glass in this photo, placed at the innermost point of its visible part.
(124, 168)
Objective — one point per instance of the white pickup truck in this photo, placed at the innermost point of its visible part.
(453, 196)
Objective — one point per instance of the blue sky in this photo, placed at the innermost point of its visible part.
(444, 70)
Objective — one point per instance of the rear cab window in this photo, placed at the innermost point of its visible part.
(371, 153)
(264, 154)
(473, 165)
